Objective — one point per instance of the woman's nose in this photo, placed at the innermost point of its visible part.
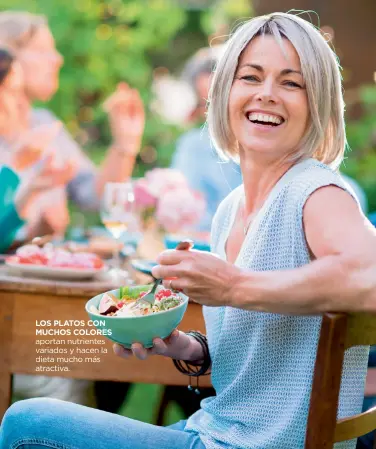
(266, 92)
(58, 59)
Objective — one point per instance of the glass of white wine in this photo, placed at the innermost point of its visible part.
(117, 213)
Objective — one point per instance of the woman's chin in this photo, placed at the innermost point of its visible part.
(263, 149)
(43, 93)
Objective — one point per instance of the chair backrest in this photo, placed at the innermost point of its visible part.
(339, 331)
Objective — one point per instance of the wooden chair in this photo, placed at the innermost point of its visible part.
(338, 332)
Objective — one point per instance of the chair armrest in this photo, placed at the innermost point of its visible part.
(355, 426)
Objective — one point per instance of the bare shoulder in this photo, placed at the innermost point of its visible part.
(334, 224)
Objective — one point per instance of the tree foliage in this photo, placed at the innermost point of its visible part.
(107, 41)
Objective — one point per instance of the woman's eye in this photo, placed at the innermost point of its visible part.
(249, 78)
(292, 84)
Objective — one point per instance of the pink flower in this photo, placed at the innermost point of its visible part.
(180, 209)
(159, 180)
(143, 196)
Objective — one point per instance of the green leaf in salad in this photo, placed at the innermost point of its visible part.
(169, 303)
(133, 292)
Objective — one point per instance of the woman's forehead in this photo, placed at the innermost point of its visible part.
(42, 38)
(266, 51)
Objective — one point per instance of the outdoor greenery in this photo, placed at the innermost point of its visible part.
(361, 134)
(106, 41)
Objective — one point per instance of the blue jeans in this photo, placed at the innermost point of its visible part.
(49, 423)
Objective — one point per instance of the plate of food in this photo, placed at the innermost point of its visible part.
(54, 263)
(113, 314)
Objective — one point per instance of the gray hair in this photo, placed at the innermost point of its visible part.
(18, 27)
(203, 61)
(325, 138)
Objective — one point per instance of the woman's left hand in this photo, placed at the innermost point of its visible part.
(202, 276)
(127, 117)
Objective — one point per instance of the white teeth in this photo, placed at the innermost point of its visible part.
(256, 116)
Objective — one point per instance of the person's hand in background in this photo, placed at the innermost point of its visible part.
(43, 176)
(33, 145)
(126, 115)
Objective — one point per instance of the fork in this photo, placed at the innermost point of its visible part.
(149, 298)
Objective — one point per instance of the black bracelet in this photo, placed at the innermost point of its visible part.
(191, 369)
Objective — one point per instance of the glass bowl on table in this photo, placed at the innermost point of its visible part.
(112, 313)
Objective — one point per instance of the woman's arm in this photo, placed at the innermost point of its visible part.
(333, 283)
(126, 115)
(342, 278)
(10, 223)
(127, 121)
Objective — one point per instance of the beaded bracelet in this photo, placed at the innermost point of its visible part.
(191, 369)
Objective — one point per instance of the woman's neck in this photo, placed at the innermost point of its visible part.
(19, 120)
(259, 178)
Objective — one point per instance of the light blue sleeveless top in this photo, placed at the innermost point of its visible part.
(263, 362)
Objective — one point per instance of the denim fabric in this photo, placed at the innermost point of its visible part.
(50, 423)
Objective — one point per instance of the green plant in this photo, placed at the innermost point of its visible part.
(361, 134)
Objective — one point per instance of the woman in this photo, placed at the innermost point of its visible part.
(276, 105)
(15, 196)
(30, 38)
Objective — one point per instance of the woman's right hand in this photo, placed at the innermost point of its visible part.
(45, 177)
(126, 115)
(178, 345)
(34, 144)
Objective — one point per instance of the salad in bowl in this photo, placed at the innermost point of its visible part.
(124, 322)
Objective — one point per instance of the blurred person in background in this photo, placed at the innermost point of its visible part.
(31, 40)
(15, 195)
(195, 155)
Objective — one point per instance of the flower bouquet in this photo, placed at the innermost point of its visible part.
(163, 197)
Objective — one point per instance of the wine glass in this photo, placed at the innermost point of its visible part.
(117, 213)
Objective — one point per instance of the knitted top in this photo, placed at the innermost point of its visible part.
(262, 363)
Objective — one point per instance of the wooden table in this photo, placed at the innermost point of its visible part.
(25, 302)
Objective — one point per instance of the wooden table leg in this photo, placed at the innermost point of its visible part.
(6, 316)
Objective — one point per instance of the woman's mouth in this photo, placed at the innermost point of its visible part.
(263, 119)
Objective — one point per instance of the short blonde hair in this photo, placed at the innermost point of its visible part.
(325, 138)
(17, 28)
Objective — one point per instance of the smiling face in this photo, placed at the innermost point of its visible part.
(268, 105)
(41, 63)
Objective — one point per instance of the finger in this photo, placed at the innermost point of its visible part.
(175, 284)
(173, 257)
(120, 94)
(139, 351)
(159, 346)
(167, 283)
(120, 351)
(123, 85)
(166, 271)
(173, 337)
